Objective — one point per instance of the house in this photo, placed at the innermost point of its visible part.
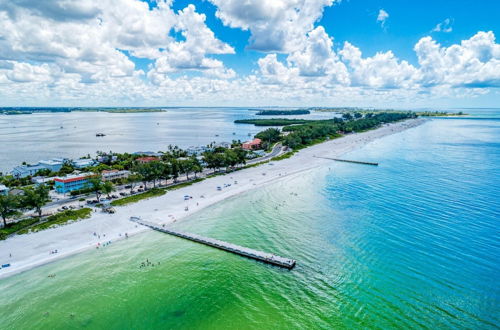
(23, 171)
(196, 150)
(105, 158)
(147, 153)
(83, 162)
(3, 190)
(144, 160)
(223, 145)
(72, 182)
(114, 175)
(252, 145)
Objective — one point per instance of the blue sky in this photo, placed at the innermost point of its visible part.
(255, 52)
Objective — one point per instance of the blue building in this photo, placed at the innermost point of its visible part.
(23, 171)
(72, 182)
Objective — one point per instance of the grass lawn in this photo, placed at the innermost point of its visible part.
(59, 219)
(12, 228)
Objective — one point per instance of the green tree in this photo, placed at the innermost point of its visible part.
(96, 185)
(347, 116)
(175, 168)
(155, 170)
(241, 155)
(186, 166)
(269, 135)
(36, 197)
(9, 207)
(67, 168)
(108, 188)
(230, 158)
(197, 168)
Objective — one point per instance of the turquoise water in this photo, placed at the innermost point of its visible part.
(413, 243)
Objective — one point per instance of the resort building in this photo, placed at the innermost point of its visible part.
(72, 182)
(114, 175)
(53, 164)
(83, 162)
(3, 190)
(144, 160)
(252, 145)
(23, 171)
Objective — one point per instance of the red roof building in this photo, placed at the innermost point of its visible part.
(252, 145)
(144, 160)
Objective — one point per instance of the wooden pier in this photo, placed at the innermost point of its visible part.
(268, 258)
(348, 161)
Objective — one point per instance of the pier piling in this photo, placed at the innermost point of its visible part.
(348, 161)
(268, 258)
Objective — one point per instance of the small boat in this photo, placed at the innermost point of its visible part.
(216, 134)
(219, 188)
(100, 134)
(234, 133)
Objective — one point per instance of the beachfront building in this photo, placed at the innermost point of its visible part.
(72, 182)
(252, 145)
(114, 175)
(23, 171)
(144, 160)
(3, 190)
(83, 162)
(53, 164)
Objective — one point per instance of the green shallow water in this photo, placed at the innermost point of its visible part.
(412, 243)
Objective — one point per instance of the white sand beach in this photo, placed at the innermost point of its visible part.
(27, 251)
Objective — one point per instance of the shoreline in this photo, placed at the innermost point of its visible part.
(33, 250)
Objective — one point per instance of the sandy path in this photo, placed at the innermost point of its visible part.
(33, 250)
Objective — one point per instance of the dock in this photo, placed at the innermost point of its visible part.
(265, 257)
(348, 161)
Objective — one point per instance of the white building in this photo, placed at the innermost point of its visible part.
(83, 162)
(42, 179)
(114, 175)
(3, 190)
(53, 164)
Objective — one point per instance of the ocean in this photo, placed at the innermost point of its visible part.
(38, 136)
(412, 243)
